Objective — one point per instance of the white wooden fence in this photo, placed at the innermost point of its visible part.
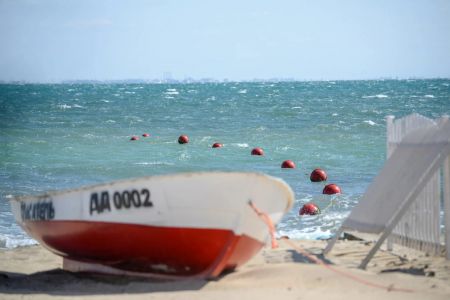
(420, 228)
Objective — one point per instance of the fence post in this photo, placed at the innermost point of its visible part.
(446, 184)
(389, 150)
(389, 135)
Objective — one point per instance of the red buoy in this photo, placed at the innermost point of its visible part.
(309, 209)
(257, 151)
(183, 139)
(288, 164)
(318, 175)
(331, 189)
(146, 135)
(217, 145)
(134, 138)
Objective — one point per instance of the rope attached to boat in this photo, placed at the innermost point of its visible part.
(313, 258)
(266, 219)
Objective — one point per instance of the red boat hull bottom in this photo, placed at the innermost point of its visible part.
(147, 249)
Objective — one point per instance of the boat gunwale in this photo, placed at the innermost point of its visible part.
(285, 187)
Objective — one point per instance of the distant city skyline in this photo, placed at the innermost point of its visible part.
(51, 41)
(190, 80)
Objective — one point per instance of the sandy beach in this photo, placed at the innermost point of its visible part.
(283, 273)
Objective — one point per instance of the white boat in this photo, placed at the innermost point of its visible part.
(188, 224)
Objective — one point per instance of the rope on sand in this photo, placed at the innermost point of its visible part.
(313, 258)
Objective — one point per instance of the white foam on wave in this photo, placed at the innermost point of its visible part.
(10, 241)
(171, 92)
(63, 106)
(296, 107)
(370, 122)
(244, 91)
(184, 156)
(133, 119)
(312, 233)
(154, 163)
(379, 96)
(315, 227)
(241, 145)
(110, 121)
(66, 106)
(429, 96)
(283, 148)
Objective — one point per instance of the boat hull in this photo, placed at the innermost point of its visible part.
(147, 249)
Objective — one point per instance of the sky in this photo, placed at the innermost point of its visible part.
(55, 40)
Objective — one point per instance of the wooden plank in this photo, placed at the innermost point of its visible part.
(447, 205)
(389, 150)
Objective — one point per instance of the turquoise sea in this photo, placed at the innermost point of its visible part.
(58, 136)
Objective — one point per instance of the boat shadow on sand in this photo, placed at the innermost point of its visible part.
(60, 282)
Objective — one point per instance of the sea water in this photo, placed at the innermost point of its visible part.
(60, 136)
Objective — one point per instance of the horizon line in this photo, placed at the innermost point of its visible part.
(189, 80)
